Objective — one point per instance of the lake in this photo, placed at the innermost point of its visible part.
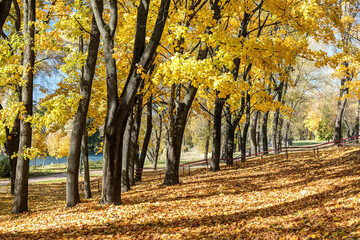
(52, 160)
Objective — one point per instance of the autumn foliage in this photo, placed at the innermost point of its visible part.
(299, 198)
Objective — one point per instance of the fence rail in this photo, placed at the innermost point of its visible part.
(185, 168)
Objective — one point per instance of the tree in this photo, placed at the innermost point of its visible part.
(79, 123)
(22, 168)
(118, 109)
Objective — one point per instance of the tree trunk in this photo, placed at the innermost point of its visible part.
(134, 156)
(79, 124)
(216, 143)
(158, 141)
(244, 135)
(279, 137)
(145, 145)
(286, 136)
(176, 131)
(207, 140)
(127, 151)
(22, 167)
(229, 136)
(357, 119)
(5, 6)
(253, 137)
(239, 138)
(340, 110)
(12, 147)
(85, 159)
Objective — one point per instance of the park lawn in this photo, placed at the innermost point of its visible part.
(299, 198)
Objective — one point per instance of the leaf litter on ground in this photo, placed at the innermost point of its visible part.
(298, 198)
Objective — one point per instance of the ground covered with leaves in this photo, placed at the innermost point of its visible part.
(298, 198)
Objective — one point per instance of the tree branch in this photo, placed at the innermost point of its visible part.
(98, 18)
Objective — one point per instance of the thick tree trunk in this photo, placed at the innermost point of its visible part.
(176, 131)
(85, 160)
(253, 135)
(216, 143)
(79, 124)
(147, 138)
(22, 167)
(12, 147)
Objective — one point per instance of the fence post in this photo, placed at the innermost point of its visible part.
(286, 154)
(189, 169)
(262, 159)
(343, 143)
(207, 165)
(314, 153)
(317, 149)
(183, 170)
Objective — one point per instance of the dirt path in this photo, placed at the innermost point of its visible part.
(49, 177)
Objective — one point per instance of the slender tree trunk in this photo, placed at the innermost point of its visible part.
(207, 140)
(239, 138)
(147, 138)
(85, 159)
(79, 124)
(127, 150)
(158, 141)
(245, 129)
(216, 143)
(274, 130)
(287, 137)
(134, 154)
(22, 167)
(357, 119)
(279, 132)
(253, 137)
(339, 115)
(229, 136)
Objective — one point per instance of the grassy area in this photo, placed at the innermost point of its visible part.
(299, 198)
(305, 142)
(59, 168)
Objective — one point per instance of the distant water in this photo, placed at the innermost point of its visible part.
(52, 160)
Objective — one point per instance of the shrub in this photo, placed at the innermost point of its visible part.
(4, 166)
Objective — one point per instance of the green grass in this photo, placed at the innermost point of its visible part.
(305, 142)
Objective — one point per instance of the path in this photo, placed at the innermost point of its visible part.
(49, 177)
